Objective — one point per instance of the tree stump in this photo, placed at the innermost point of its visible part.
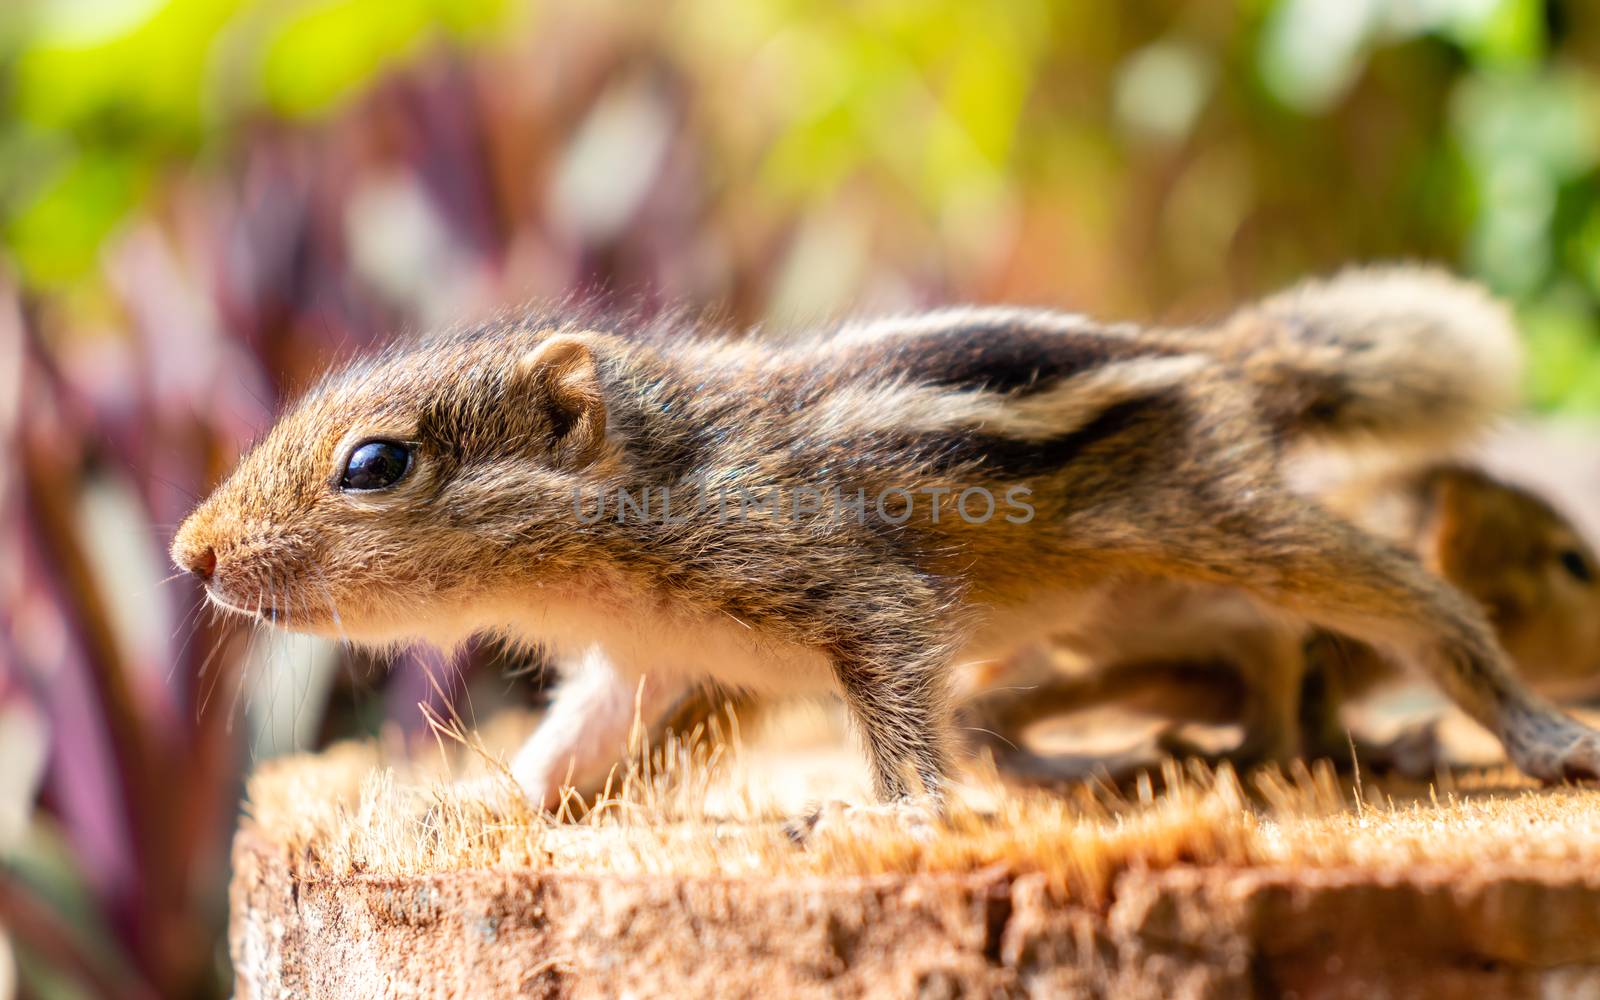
(1203, 891)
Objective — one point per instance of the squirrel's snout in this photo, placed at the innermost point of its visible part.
(193, 555)
(201, 562)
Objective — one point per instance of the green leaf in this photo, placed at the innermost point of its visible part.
(56, 237)
(321, 55)
(1509, 33)
(1564, 352)
(145, 81)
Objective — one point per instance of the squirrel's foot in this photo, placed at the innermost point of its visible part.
(1416, 752)
(1251, 753)
(917, 819)
(1553, 748)
(1058, 771)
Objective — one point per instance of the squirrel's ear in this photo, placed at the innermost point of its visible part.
(1476, 533)
(561, 376)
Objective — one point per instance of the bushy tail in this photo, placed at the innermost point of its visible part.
(1399, 355)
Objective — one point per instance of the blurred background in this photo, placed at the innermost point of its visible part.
(205, 202)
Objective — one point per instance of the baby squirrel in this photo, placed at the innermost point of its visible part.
(1205, 655)
(860, 510)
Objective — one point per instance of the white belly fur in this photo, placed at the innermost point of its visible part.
(646, 638)
(643, 635)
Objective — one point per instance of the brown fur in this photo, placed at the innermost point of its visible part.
(1148, 454)
(1200, 655)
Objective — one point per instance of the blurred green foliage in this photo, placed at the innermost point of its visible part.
(1457, 128)
(103, 93)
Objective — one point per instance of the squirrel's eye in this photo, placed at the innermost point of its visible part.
(1573, 562)
(375, 465)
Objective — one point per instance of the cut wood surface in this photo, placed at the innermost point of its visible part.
(1529, 930)
(361, 875)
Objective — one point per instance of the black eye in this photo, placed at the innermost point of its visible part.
(375, 465)
(1573, 562)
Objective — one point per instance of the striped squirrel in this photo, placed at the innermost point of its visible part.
(1207, 655)
(973, 479)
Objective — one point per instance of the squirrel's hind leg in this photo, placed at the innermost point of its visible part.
(1339, 577)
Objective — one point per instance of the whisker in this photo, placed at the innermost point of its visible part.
(346, 660)
(163, 480)
(204, 675)
(251, 649)
(217, 616)
(190, 617)
(990, 732)
(302, 705)
(194, 616)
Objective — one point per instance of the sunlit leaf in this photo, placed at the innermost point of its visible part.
(148, 80)
(57, 236)
(326, 50)
(1500, 33)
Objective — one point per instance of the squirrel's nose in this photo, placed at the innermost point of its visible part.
(201, 560)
